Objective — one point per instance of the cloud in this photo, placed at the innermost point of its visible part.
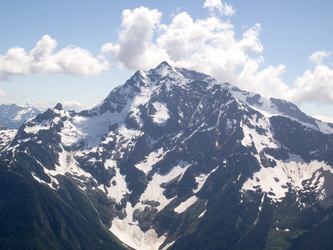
(223, 9)
(318, 56)
(66, 105)
(73, 105)
(134, 48)
(43, 60)
(314, 86)
(210, 45)
(267, 82)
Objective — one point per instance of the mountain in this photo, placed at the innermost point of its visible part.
(170, 159)
(6, 136)
(13, 116)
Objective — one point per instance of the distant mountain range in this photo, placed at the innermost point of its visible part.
(13, 116)
(171, 159)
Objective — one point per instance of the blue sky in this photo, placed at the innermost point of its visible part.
(277, 48)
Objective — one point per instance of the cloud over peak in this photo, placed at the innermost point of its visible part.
(208, 45)
(135, 39)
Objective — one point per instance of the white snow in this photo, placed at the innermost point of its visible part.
(154, 157)
(293, 172)
(70, 134)
(154, 192)
(168, 245)
(269, 109)
(186, 204)
(161, 116)
(67, 164)
(53, 180)
(324, 128)
(117, 191)
(23, 112)
(128, 230)
(201, 179)
(6, 136)
(163, 71)
(90, 128)
(41, 181)
(38, 126)
(260, 140)
(260, 207)
(202, 214)
(130, 233)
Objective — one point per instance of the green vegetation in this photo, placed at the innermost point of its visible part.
(35, 217)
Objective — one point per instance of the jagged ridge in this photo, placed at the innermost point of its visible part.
(177, 154)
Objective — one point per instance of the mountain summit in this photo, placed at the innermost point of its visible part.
(176, 159)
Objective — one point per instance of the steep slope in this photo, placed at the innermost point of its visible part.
(174, 158)
(34, 217)
(6, 136)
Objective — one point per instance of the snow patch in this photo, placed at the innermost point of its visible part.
(44, 125)
(70, 134)
(168, 245)
(90, 128)
(186, 204)
(154, 157)
(6, 136)
(260, 140)
(133, 236)
(161, 116)
(295, 173)
(201, 179)
(67, 164)
(118, 187)
(324, 128)
(41, 181)
(202, 214)
(154, 191)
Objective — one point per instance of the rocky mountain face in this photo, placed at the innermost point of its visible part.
(172, 159)
(13, 116)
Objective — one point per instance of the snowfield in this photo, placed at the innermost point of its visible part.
(296, 173)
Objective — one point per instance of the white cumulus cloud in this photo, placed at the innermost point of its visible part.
(43, 60)
(134, 49)
(314, 86)
(208, 45)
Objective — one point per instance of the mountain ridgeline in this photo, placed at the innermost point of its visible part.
(12, 116)
(171, 159)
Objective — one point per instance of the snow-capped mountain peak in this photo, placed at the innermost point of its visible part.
(172, 149)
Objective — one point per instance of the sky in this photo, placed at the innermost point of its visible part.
(76, 52)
